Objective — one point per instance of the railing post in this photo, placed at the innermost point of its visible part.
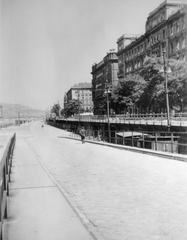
(115, 138)
(156, 142)
(172, 142)
(132, 140)
(143, 141)
(5, 179)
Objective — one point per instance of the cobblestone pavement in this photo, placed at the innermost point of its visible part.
(124, 195)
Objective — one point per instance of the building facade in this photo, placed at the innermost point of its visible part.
(165, 26)
(81, 92)
(104, 74)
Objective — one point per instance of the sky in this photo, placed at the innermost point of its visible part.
(47, 46)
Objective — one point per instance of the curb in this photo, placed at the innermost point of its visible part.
(139, 150)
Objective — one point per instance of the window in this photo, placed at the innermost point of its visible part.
(183, 43)
(142, 48)
(154, 39)
(135, 66)
(171, 30)
(138, 64)
(164, 34)
(183, 24)
(177, 46)
(171, 48)
(177, 27)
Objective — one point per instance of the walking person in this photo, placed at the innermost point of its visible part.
(82, 133)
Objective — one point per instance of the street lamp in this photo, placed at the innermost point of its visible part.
(182, 105)
(18, 117)
(107, 91)
(166, 71)
(79, 106)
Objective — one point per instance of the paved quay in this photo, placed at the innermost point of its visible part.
(37, 210)
(117, 194)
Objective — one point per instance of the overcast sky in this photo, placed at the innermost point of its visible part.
(47, 46)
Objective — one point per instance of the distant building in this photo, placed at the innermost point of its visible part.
(65, 100)
(165, 26)
(81, 92)
(106, 70)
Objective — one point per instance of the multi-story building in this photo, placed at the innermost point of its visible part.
(83, 93)
(104, 72)
(165, 26)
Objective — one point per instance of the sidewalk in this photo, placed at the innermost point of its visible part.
(36, 207)
(115, 194)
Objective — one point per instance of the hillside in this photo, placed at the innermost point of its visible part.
(14, 110)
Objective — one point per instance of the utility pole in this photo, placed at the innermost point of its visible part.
(108, 107)
(79, 106)
(166, 87)
(18, 118)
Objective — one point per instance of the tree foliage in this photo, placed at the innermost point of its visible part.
(127, 92)
(147, 89)
(73, 107)
(55, 109)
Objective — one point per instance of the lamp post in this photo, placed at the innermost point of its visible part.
(79, 106)
(18, 117)
(107, 91)
(166, 88)
(182, 106)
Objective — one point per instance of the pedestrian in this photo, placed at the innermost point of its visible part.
(82, 133)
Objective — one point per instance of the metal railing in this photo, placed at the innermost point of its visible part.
(6, 123)
(6, 156)
(177, 119)
(170, 142)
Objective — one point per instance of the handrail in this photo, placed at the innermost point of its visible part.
(170, 142)
(6, 155)
(177, 119)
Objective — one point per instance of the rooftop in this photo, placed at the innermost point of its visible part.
(167, 2)
(82, 85)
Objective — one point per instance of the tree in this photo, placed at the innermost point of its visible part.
(154, 95)
(55, 109)
(62, 112)
(154, 87)
(146, 89)
(74, 107)
(177, 84)
(127, 92)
